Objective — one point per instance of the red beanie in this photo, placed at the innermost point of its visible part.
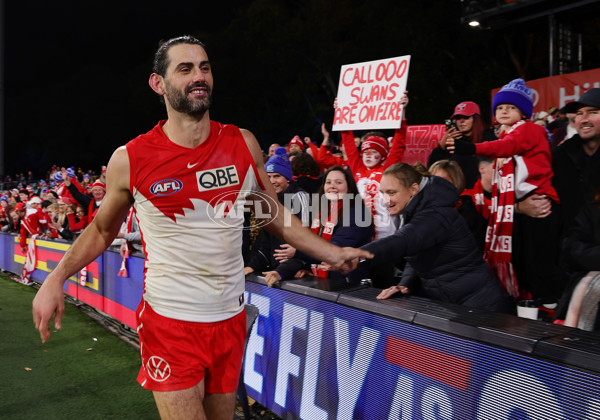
(100, 184)
(297, 140)
(376, 143)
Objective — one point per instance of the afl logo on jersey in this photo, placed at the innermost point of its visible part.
(217, 178)
(166, 187)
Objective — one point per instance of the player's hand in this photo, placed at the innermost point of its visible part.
(390, 291)
(49, 301)
(347, 259)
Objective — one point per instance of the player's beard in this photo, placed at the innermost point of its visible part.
(182, 103)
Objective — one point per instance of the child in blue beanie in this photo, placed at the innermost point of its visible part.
(523, 167)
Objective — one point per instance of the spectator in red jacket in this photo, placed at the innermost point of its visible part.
(34, 223)
(78, 218)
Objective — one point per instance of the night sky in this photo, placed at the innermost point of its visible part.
(76, 72)
(76, 76)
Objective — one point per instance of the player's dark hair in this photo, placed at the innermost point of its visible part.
(161, 58)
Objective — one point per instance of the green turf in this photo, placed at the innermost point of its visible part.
(72, 375)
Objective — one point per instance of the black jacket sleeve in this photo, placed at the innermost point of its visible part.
(438, 154)
(82, 199)
(581, 247)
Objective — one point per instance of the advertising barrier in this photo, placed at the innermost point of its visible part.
(314, 359)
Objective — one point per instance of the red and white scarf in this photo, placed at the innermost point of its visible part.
(129, 223)
(483, 205)
(498, 240)
(325, 230)
(30, 261)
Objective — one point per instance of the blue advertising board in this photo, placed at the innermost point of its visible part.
(313, 359)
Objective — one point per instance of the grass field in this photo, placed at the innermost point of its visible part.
(82, 372)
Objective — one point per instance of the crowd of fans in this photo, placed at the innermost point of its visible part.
(59, 206)
(502, 212)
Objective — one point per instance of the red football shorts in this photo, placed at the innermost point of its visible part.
(178, 354)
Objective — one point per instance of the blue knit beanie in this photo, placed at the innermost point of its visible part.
(279, 163)
(515, 93)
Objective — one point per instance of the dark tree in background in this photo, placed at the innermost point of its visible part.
(76, 78)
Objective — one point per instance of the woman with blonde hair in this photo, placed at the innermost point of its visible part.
(60, 222)
(466, 207)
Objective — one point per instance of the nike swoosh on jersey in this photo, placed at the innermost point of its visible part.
(190, 166)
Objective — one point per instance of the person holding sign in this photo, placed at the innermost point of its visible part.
(368, 166)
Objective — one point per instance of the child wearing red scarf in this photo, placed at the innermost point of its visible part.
(521, 250)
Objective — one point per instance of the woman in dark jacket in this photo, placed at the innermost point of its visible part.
(343, 220)
(467, 124)
(442, 258)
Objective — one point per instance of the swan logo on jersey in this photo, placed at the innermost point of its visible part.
(217, 178)
(166, 187)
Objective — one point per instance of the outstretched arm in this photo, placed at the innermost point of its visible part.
(49, 300)
(289, 228)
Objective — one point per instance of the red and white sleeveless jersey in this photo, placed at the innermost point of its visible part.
(190, 207)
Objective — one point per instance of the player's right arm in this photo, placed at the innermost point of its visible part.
(98, 235)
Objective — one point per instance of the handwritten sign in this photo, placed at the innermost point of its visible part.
(369, 94)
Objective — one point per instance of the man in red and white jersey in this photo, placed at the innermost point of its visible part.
(187, 178)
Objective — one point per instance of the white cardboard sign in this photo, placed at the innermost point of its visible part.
(369, 94)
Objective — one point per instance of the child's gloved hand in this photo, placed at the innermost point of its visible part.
(460, 147)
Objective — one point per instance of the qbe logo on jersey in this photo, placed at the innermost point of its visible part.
(217, 178)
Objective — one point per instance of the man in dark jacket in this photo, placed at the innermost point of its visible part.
(279, 169)
(576, 162)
